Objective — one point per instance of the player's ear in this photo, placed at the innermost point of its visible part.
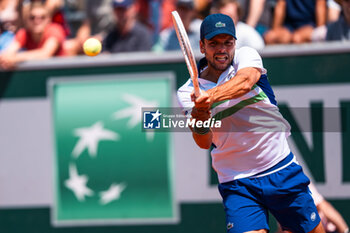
(201, 46)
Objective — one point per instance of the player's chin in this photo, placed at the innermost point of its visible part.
(222, 66)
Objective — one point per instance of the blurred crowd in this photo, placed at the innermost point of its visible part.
(39, 29)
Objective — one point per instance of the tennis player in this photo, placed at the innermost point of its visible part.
(257, 171)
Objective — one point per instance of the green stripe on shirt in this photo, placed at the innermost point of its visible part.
(218, 103)
(235, 108)
(223, 101)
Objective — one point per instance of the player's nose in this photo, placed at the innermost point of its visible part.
(220, 47)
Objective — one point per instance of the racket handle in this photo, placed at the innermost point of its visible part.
(197, 91)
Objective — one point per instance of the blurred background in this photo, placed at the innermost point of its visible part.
(74, 156)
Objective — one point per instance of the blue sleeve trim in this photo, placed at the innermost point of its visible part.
(264, 84)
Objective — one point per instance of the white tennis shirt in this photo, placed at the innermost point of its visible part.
(253, 136)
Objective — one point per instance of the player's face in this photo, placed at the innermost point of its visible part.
(219, 51)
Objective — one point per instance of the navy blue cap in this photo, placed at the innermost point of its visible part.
(216, 24)
(122, 3)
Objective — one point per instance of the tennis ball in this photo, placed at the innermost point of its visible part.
(92, 47)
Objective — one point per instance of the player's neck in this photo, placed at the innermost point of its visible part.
(211, 74)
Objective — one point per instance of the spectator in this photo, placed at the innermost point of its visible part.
(167, 7)
(98, 21)
(55, 8)
(333, 12)
(156, 14)
(6, 36)
(168, 39)
(129, 34)
(40, 39)
(340, 30)
(260, 14)
(256, 8)
(295, 20)
(246, 35)
(8, 9)
(8, 22)
(202, 7)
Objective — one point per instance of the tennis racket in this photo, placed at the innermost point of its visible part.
(187, 51)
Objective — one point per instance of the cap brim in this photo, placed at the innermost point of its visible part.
(217, 32)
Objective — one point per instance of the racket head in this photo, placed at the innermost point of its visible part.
(186, 50)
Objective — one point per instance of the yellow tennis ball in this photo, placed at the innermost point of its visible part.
(92, 47)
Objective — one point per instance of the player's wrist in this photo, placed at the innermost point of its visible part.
(201, 130)
(200, 127)
(346, 230)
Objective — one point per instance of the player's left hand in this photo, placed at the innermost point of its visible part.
(202, 102)
(199, 114)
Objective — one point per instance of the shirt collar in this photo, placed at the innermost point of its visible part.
(227, 74)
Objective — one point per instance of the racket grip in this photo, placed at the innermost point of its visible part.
(197, 92)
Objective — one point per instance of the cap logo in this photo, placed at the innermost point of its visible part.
(220, 25)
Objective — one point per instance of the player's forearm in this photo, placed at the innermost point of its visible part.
(202, 135)
(204, 141)
(333, 216)
(238, 86)
(230, 91)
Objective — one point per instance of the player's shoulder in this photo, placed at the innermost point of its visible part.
(245, 53)
(246, 50)
(184, 95)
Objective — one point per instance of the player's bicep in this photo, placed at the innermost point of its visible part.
(249, 57)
